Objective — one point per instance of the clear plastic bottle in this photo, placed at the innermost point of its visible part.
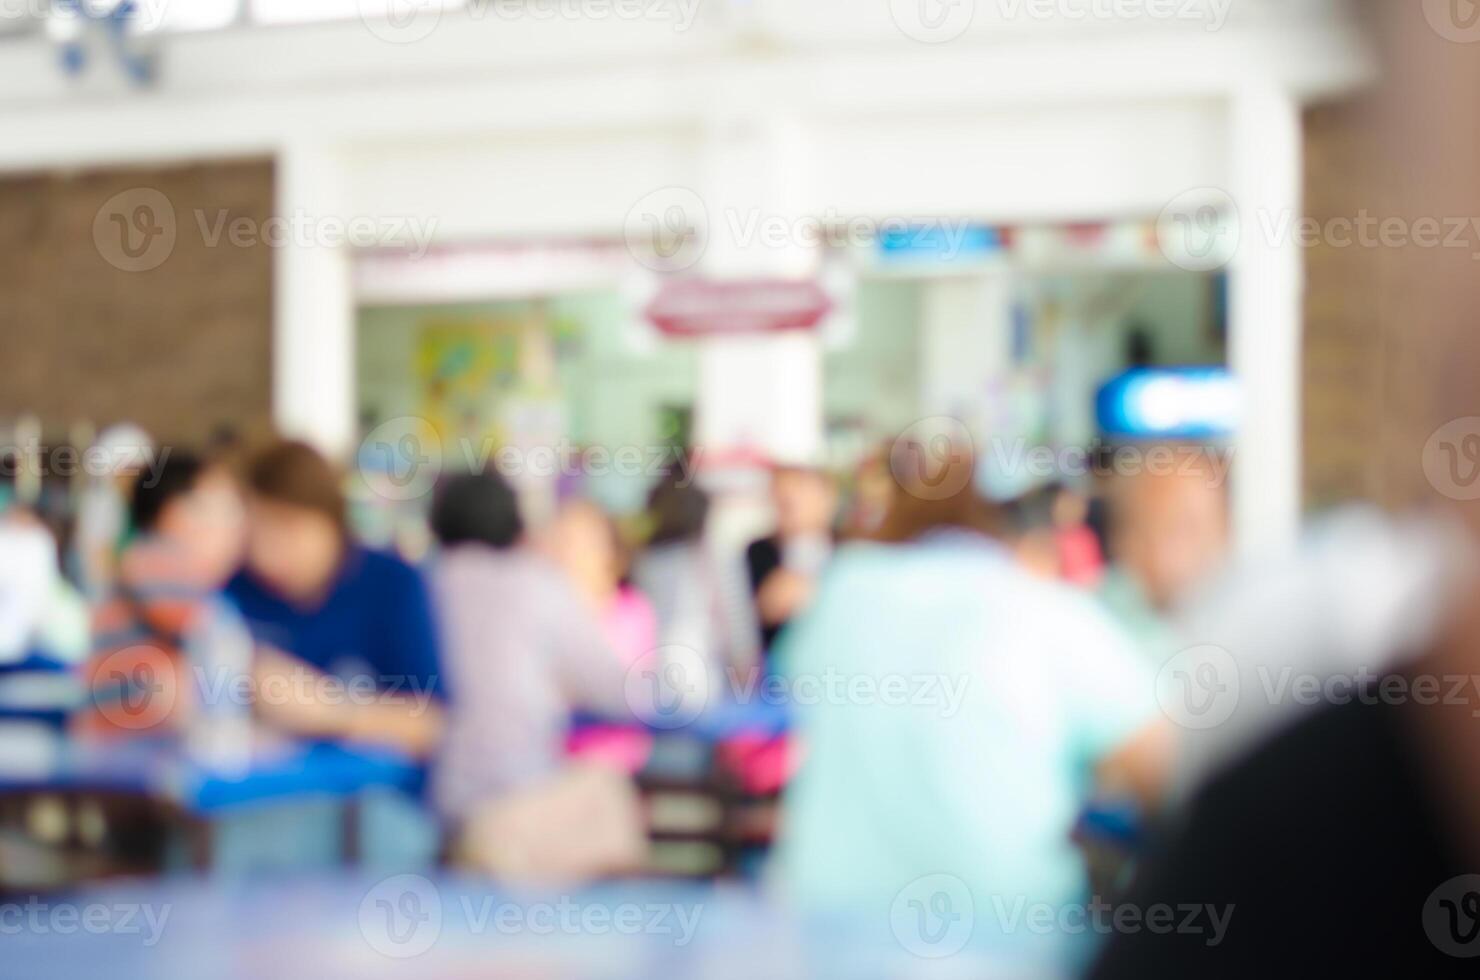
(219, 652)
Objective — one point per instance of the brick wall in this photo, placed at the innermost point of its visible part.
(1365, 402)
(96, 325)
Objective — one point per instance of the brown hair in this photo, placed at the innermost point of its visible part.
(289, 472)
(935, 490)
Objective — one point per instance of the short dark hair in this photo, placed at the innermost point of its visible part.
(295, 473)
(177, 475)
(678, 512)
(477, 508)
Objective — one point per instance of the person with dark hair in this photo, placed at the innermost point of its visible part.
(959, 711)
(784, 566)
(175, 479)
(326, 605)
(477, 509)
(525, 649)
(700, 598)
(678, 513)
(188, 537)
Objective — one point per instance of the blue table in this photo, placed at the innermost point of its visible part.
(720, 720)
(163, 770)
(365, 927)
(198, 799)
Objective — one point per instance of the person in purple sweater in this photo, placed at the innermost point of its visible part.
(525, 649)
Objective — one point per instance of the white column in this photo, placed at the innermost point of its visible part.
(765, 389)
(313, 306)
(1265, 321)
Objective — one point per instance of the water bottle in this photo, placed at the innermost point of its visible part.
(218, 651)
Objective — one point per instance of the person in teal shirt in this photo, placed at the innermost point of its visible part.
(955, 713)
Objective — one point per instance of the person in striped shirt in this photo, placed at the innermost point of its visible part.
(189, 526)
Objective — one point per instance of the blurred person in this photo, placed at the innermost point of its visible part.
(41, 615)
(102, 528)
(1030, 535)
(784, 566)
(1080, 558)
(700, 598)
(1168, 534)
(318, 603)
(705, 604)
(1013, 697)
(165, 600)
(525, 648)
(1169, 525)
(1363, 592)
(1312, 748)
(585, 542)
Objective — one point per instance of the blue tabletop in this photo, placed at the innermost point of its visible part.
(719, 720)
(358, 926)
(164, 770)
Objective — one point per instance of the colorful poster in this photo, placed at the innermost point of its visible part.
(462, 370)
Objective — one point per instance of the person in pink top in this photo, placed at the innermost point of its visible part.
(586, 543)
(1080, 558)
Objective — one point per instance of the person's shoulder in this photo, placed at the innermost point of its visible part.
(512, 567)
(1056, 593)
(951, 562)
(378, 562)
(1069, 611)
(383, 567)
(860, 565)
(242, 589)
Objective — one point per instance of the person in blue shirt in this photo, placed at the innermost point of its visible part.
(351, 649)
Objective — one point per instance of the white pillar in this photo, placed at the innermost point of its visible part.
(1265, 320)
(763, 389)
(313, 306)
